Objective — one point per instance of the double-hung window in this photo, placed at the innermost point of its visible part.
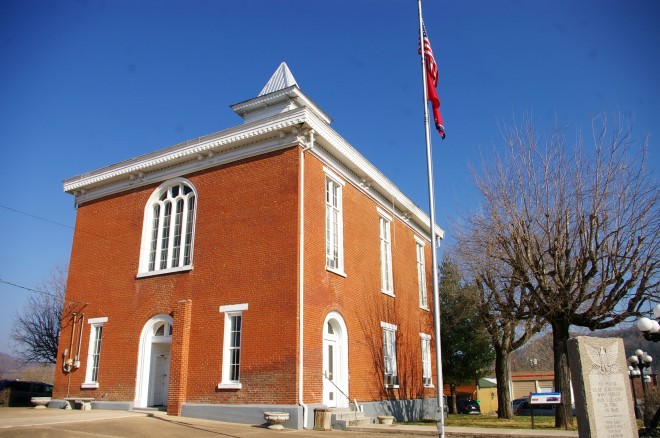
(94, 352)
(231, 352)
(426, 361)
(385, 232)
(421, 274)
(334, 227)
(389, 355)
(168, 230)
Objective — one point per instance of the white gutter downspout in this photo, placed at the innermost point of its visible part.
(301, 278)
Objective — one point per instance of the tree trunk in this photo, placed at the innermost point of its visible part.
(452, 406)
(563, 414)
(503, 377)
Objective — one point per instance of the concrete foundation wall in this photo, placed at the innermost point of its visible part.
(245, 414)
(403, 410)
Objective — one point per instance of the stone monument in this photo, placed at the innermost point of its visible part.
(601, 386)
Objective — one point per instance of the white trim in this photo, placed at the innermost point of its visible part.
(144, 359)
(148, 225)
(385, 243)
(164, 271)
(427, 338)
(230, 385)
(334, 176)
(384, 214)
(234, 307)
(342, 380)
(231, 311)
(244, 141)
(97, 321)
(420, 265)
(420, 240)
(331, 185)
(96, 327)
(388, 326)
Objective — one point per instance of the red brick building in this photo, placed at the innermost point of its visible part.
(268, 266)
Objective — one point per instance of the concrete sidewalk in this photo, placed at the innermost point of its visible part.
(19, 422)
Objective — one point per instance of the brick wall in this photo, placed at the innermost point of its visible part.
(358, 297)
(245, 251)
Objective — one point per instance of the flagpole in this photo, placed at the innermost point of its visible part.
(434, 259)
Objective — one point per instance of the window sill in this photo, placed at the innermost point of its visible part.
(89, 385)
(230, 386)
(392, 386)
(388, 292)
(336, 271)
(425, 308)
(429, 386)
(164, 271)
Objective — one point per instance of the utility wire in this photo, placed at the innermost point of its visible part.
(63, 225)
(42, 292)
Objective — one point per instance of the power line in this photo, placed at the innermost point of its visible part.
(37, 217)
(63, 225)
(42, 292)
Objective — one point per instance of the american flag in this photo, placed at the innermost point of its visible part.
(431, 66)
(432, 81)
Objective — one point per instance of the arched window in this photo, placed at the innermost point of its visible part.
(169, 226)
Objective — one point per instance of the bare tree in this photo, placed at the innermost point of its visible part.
(576, 227)
(505, 307)
(36, 328)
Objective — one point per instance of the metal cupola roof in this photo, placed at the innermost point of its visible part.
(282, 78)
(280, 94)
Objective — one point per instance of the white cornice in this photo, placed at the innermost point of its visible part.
(204, 147)
(251, 139)
(292, 93)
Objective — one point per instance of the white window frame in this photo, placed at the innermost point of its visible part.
(155, 258)
(334, 223)
(230, 312)
(427, 373)
(94, 350)
(385, 241)
(421, 273)
(391, 378)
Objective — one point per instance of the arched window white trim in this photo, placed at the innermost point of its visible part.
(168, 230)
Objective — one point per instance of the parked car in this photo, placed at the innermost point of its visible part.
(525, 408)
(468, 407)
(517, 402)
(19, 393)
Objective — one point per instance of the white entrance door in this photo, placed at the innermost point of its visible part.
(161, 379)
(330, 372)
(154, 362)
(332, 375)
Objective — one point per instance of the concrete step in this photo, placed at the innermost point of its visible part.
(344, 417)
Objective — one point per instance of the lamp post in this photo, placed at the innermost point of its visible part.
(651, 331)
(650, 328)
(634, 373)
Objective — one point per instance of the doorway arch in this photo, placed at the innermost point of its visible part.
(335, 361)
(153, 370)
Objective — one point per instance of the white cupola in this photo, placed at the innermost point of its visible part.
(280, 94)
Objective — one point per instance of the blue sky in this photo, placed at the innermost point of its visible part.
(85, 84)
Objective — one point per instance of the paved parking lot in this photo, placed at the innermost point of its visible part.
(59, 423)
(22, 422)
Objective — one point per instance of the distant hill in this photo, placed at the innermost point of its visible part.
(12, 368)
(9, 367)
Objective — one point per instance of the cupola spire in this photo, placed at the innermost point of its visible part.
(282, 78)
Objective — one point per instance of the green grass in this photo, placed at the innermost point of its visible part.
(491, 421)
